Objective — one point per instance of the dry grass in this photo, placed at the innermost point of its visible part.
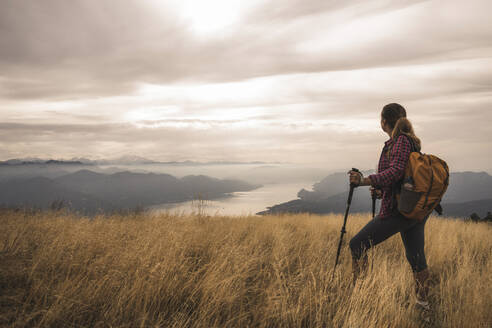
(192, 271)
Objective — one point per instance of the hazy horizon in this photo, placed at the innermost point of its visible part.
(301, 82)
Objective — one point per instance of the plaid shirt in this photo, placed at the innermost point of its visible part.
(391, 170)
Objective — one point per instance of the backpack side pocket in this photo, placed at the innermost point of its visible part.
(408, 200)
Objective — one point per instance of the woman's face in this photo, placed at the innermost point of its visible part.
(384, 126)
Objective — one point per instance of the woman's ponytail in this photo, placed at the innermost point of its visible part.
(403, 126)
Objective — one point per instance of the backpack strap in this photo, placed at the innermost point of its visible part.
(438, 209)
(395, 188)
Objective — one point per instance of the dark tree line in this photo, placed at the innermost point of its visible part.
(475, 218)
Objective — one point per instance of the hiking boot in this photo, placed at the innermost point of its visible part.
(422, 293)
(423, 305)
(422, 287)
(424, 311)
(358, 266)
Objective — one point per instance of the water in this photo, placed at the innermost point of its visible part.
(281, 182)
(240, 203)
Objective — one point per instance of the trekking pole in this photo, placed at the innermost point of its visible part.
(374, 196)
(374, 204)
(343, 231)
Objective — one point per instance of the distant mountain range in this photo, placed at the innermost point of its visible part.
(38, 182)
(124, 160)
(37, 161)
(88, 192)
(468, 192)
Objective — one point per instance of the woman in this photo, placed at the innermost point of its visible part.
(391, 169)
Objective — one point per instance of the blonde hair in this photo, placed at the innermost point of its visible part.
(403, 126)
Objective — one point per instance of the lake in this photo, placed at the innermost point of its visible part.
(240, 203)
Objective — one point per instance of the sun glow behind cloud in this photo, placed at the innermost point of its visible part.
(206, 17)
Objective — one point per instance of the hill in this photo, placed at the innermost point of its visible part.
(88, 192)
(468, 186)
(58, 270)
(41, 192)
(468, 192)
(465, 209)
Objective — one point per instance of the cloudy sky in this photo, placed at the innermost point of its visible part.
(297, 81)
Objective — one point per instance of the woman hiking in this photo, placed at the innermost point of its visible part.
(389, 221)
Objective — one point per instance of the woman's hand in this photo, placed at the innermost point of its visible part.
(376, 193)
(357, 179)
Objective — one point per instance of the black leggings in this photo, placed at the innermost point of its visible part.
(378, 230)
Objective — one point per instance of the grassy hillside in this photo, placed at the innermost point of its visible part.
(191, 271)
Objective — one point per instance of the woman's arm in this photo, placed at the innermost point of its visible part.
(398, 163)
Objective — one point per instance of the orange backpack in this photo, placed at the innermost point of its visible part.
(425, 182)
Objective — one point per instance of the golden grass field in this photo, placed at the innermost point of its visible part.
(57, 270)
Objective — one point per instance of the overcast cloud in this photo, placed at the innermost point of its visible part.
(293, 81)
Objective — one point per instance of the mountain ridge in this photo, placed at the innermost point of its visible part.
(122, 160)
(89, 192)
(468, 192)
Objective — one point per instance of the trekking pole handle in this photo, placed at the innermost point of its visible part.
(356, 170)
